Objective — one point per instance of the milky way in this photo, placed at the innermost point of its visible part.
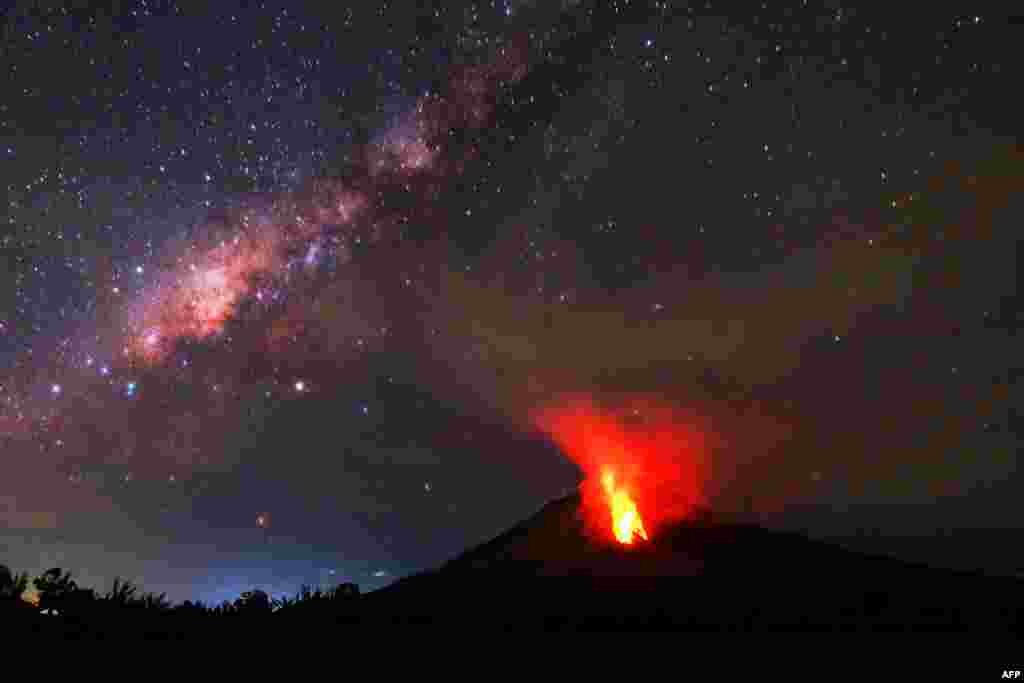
(241, 288)
(293, 279)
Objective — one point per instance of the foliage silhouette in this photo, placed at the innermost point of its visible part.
(12, 586)
(809, 586)
(122, 593)
(254, 602)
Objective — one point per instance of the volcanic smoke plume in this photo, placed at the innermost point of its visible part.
(645, 465)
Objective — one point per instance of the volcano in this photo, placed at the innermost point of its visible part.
(700, 574)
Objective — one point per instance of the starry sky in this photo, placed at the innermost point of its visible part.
(284, 283)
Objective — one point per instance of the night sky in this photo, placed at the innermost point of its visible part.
(283, 283)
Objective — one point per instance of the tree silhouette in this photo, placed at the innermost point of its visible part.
(345, 591)
(59, 594)
(284, 602)
(12, 586)
(122, 593)
(253, 602)
(55, 588)
(158, 603)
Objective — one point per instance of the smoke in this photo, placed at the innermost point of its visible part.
(805, 372)
(656, 454)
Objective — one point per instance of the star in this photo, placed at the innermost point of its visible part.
(279, 206)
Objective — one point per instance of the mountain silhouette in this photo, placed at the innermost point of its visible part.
(548, 573)
(701, 574)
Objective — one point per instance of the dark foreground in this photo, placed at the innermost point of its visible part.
(545, 575)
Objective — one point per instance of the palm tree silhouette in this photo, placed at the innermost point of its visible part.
(152, 601)
(253, 602)
(55, 588)
(122, 593)
(12, 586)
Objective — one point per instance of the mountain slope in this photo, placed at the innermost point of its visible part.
(546, 573)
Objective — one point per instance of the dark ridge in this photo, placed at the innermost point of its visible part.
(700, 574)
(545, 573)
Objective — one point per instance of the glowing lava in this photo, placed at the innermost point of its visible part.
(626, 522)
(644, 464)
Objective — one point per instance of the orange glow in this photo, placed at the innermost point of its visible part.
(644, 463)
(31, 596)
(626, 522)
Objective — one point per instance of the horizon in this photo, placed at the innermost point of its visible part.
(294, 290)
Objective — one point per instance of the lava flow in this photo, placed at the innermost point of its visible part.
(626, 521)
(644, 466)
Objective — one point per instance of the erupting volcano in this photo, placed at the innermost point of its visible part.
(626, 521)
(644, 466)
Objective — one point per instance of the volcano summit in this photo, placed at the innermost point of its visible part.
(700, 574)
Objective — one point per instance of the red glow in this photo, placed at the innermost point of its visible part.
(648, 454)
